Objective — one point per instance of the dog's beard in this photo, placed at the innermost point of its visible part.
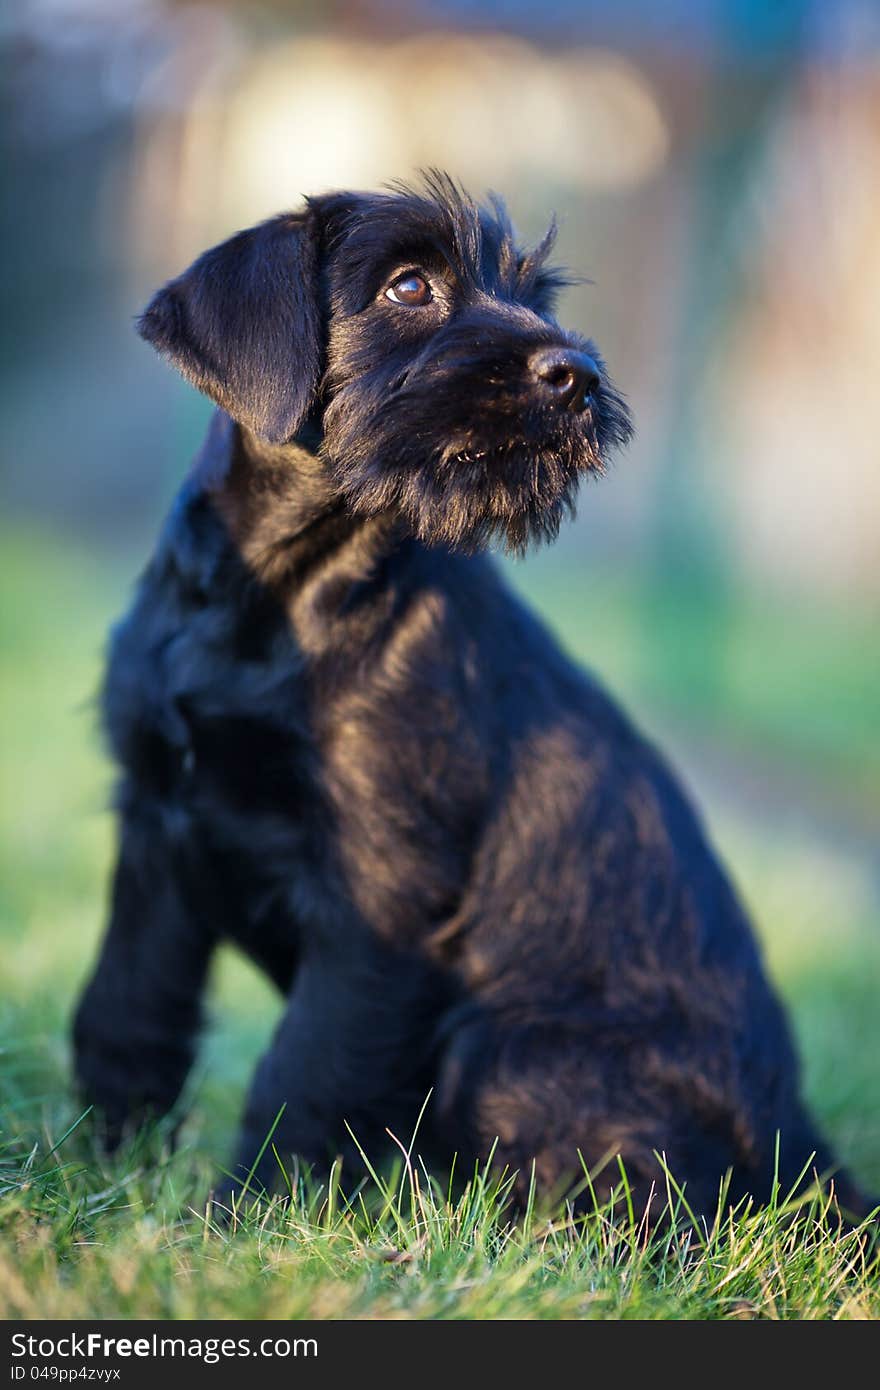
(510, 473)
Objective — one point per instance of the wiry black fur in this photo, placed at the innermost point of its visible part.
(346, 747)
(489, 458)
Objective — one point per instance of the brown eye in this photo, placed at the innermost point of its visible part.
(409, 289)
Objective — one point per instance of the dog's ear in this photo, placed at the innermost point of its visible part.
(244, 324)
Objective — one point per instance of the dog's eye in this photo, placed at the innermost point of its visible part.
(410, 289)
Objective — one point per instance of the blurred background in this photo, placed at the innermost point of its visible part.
(715, 168)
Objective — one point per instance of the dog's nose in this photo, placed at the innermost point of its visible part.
(569, 376)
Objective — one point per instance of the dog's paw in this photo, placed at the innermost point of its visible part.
(128, 1077)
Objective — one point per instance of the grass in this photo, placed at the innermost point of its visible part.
(82, 1236)
(82, 1240)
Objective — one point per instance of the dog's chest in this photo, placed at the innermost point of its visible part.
(205, 706)
(312, 796)
(207, 701)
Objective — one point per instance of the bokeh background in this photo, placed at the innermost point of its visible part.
(716, 171)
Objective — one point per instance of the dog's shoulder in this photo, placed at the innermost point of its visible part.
(200, 645)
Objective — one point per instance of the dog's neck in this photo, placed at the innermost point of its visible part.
(282, 513)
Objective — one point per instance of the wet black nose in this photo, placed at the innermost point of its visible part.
(567, 376)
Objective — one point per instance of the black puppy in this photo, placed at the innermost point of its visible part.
(348, 749)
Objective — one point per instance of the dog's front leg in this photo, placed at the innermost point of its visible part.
(136, 1022)
(351, 1060)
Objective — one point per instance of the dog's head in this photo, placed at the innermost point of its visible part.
(420, 340)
